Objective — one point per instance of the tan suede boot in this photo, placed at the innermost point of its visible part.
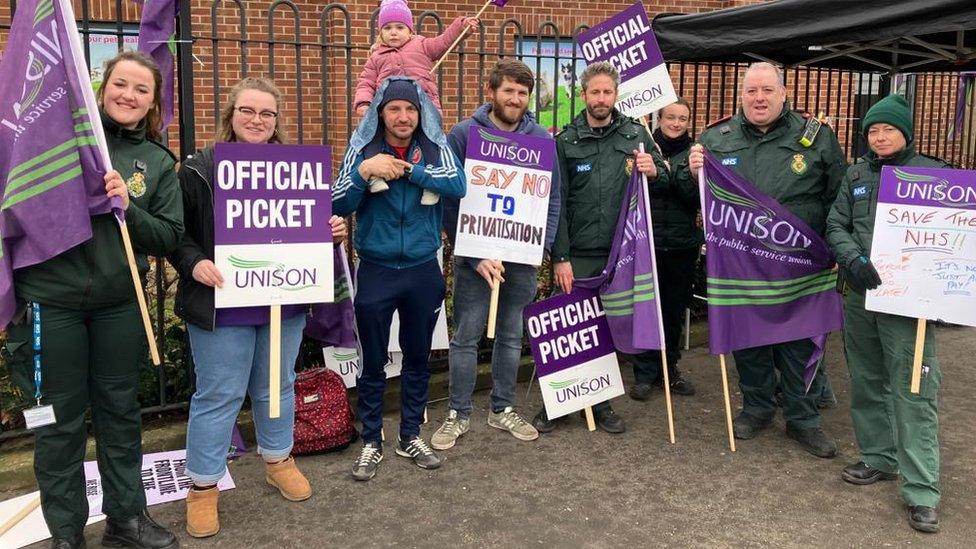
(286, 477)
(201, 512)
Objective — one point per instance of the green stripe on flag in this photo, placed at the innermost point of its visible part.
(626, 293)
(84, 126)
(44, 156)
(771, 283)
(38, 189)
(829, 286)
(767, 291)
(44, 170)
(79, 113)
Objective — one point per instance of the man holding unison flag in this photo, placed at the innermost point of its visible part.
(597, 152)
(800, 165)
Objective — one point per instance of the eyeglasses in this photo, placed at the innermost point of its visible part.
(248, 112)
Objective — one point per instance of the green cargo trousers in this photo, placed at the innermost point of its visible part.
(88, 359)
(896, 431)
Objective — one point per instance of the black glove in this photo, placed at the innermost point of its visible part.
(863, 274)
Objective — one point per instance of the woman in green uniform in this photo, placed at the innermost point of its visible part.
(92, 338)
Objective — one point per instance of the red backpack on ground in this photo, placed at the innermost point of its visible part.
(323, 417)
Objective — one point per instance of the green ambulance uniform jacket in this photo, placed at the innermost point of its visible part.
(850, 225)
(595, 167)
(95, 273)
(803, 179)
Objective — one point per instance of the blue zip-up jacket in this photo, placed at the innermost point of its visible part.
(458, 140)
(393, 229)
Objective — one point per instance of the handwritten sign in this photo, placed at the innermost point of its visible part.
(924, 244)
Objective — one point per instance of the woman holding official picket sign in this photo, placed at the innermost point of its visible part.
(230, 346)
(879, 346)
(92, 342)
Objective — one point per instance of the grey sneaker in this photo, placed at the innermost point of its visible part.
(417, 450)
(446, 436)
(368, 461)
(509, 420)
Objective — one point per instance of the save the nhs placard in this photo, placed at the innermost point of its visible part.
(272, 239)
(573, 352)
(504, 212)
(628, 43)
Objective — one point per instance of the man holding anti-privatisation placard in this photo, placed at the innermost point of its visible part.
(880, 346)
(799, 164)
(517, 192)
(596, 153)
(400, 140)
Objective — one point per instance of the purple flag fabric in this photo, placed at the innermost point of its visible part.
(334, 324)
(237, 445)
(628, 284)
(964, 95)
(51, 169)
(499, 3)
(770, 276)
(157, 39)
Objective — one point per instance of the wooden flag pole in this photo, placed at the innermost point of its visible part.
(21, 515)
(667, 394)
(459, 38)
(140, 294)
(590, 423)
(728, 403)
(643, 120)
(917, 362)
(274, 364)
(493, 308)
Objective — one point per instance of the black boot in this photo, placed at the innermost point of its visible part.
(542, 423)
(641, 391)
(140, 532)
(679, 385)
(609, 421)
(862, 474)
(75, 542)
(747, 426)
(814, 440)
(924, 519)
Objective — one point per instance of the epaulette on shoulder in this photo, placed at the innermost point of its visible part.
(165, 148)
(719, 121)
(938, 160)
(565, 130)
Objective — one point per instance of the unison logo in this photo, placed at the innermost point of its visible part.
(756, 221)
(579, 387)
(269, 274)
(637, 98)
(927, 187)
(505, 149)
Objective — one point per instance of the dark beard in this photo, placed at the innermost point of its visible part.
(594, 116)
(498, 111)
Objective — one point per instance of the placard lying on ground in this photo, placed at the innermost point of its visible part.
(273, 242)
(573, 352)
(627, 42)
(924, 244)
(503, 215)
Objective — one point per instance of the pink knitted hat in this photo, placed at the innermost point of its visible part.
(395, 11)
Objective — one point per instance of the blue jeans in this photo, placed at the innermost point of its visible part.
(472, 297)
(416, 293)
(229, 362)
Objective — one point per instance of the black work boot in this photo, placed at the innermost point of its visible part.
(140, 532)
(924, 519)
(542, 423)
(641, 391)
(747, 425)
(862, 474)
(679, 385)
(813, 440)
(75, 542)
(609, 421)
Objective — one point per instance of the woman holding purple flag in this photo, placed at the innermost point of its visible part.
(230, 346)
(82, 305)
(897, 431)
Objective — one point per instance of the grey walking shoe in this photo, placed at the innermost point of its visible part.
(421, 454)
(509, 420)
(446, 435)
(368, 461)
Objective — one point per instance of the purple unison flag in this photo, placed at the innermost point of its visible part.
(499, 3)
(770, 276)
(964, 95)
(334, 324)
(51, 169)
(157, 39)
(628, 284)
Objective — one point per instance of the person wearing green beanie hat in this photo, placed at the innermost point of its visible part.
(892, 110)
(907, 441)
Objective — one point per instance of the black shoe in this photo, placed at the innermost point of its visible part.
(680, 385)
(76, 542)
(641, 391)
(814, 441)
(140, 532)
(778, 398)
(827, 401)
(542, 423)
(924, 519)
(862, 474)
(609, 421)
(747, 426)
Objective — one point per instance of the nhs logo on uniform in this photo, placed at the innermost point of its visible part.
(859, 192)
(580, 168)
(733, 161)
